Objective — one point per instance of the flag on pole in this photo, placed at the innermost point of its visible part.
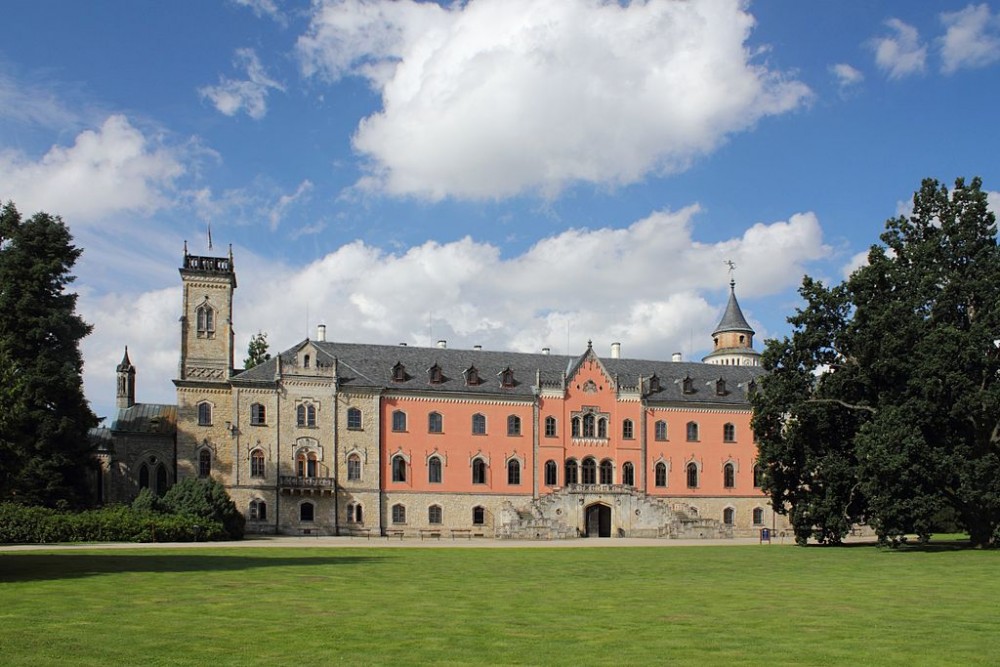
(209, 235)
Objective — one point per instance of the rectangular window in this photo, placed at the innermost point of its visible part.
(660, 430)
(354, 419)
(258, 415)
(550, 427)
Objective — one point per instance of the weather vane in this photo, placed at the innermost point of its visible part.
(731, 265)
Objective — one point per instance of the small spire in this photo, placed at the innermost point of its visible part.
(185, 247)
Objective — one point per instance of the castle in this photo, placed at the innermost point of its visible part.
(351, 439)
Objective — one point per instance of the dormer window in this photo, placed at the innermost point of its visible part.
(688, 385)
(472, 376)
(399, 372)
(305, 361)
(435, 375)
(720, 387)
(507, 378)
(206, 321)
(654, 384)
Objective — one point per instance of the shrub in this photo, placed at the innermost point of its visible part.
(206, 500)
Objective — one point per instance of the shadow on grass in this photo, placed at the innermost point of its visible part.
(909, 547)
(40, 567)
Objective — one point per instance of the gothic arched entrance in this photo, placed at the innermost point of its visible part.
(598, 520)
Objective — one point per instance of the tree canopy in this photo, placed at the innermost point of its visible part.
(883, 406)
(256, 351)
(44, 418)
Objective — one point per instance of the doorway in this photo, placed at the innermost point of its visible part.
(598, 520)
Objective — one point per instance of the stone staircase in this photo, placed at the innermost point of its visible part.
(634, 514)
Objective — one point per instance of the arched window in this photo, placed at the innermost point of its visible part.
(204, 463)
(257, 463)
(434, 514)
(692, 431)
(206, 321)
(728, 515)
(350, 513)
(398, 513)
(607, 470)
(660, 475)
(305, 415)
(513, 472)
(353, 468)
(628, 474)
(161, 480)
(204, 414)
(729, 475)
(398, 420)
(513, 425)
(588, 426)
(398, 468)
(358, 515)
(307, 512)
(478, 424)
(758, 516)
(258, 510)
(258, 415)
(435, 423)
(478, 515)
(728, 433)
(602, 428)
(571, 471)
(550, 427)
(758, 475)
(692, 475)
(354, 419)
(478, 471)
(434, 470)
(306, 464)
(589, 470)
(144, 476)
(305, 361)
(551, 473)
(628, 430)
(660, 430)
(575, 427)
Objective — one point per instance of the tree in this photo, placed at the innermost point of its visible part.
(204, 499)
(44, 449)
(884, 405)
(256, 351)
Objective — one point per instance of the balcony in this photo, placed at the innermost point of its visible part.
(306, 486)
(599, 488)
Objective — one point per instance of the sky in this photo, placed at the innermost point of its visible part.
(514, 174)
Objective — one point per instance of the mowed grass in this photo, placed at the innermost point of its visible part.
(578, 606)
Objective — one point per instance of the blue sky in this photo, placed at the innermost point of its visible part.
(506, 173)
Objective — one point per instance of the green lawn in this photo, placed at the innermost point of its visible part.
(679, 605)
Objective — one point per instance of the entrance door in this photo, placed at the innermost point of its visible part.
(598, 521)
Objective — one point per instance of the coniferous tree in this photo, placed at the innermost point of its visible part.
(44, 450)
(256, 351)
(884, 405)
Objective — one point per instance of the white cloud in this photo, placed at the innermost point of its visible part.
(651, 286)
(113, 169)
(488, 98)
(972, 38)
(902, 53)
(263, 8)
(34, 104)
(285, 201)
(993, 197)
(232, 95)
(854, 263)
(847, 76)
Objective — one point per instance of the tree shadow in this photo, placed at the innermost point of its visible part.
(71, 565)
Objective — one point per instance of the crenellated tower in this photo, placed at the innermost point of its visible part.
(207, 318)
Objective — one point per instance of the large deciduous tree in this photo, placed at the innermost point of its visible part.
(44, 417)
(884, 404)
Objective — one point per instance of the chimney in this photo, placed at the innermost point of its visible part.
(442, 344)
(321, 333)
(676, 356)
(402, 344)
(477, 347)
(616, 350)
(545, 351)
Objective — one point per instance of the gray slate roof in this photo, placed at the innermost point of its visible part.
(151, 418)
(370, 366)
(732, 319)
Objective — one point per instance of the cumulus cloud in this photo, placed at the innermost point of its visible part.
(488, 98)
(234, 95)
(971, 39)
(112, 169)
(901, 53)
(847, 76)
(651, 286)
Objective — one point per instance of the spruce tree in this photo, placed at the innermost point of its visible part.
(45, 454)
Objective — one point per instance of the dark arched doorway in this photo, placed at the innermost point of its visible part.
(598, 520)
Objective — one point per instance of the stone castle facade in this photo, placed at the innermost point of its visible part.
(335, 438)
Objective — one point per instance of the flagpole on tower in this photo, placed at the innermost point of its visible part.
(210, 235)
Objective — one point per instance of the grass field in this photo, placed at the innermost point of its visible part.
(580, 606)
